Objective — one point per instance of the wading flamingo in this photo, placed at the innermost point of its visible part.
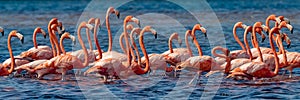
(3, 68)
(197, 63)
(91, 55)
(112, 66)
(38, 52)
(52, 36)
(117, 55)
(259, 69)
(178, 55)
(62, 63)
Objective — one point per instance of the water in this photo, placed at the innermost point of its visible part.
(26, 15)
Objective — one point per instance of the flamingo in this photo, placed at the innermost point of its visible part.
(112, 66)
(62, 63)
(235, 62)
(179, 54)
(2, 31)
(52, 36)
(91, 55)
(38, 52)
(265, 50)
(3, 68)
(239, 53)
(156, 61)
(277, 20)
(117, 55)
(197, 63)
(259, 69)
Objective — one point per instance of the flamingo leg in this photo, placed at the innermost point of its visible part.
(210, 73)
(195, 78)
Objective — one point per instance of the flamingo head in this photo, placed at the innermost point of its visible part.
(20, 36)
(61, 27)
(91, 20)
(150, 29)
(97, 22)
(132, 19)
(199, 27)
(40, 30)
(272, 17)
(117, 13)
(287, 40)
(69, 36)
(2, 31)
(285, 24)
(240, 25)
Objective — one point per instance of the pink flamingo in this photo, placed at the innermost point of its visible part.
(197, 63)
(117, 55)
(112, 66)
(179, 54)
(259, 69)
(91, 55)
(38, 52)
(265, 50)
(62, 63)
(4, 71)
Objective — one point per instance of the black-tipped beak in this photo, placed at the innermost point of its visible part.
(45, 36)
(22, 40)
(205, 34)
(155, 36)
(267, 32)
(263, 39)
(288, 46)
(118, 15)
(292, 30)
(2, 33)
(139, 24)
(60, 35)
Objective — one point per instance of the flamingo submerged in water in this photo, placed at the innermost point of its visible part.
(4, 71)
(258, 69)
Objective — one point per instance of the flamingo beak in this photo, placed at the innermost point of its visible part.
(155, 35)
(263, 39)
(288, 46)
(22, 40)
(2, 33)
(118, 15)
(292, 30)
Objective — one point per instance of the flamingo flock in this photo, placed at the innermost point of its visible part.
(249, 63)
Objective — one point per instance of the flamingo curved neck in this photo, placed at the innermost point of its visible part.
(248, 29)
(86, 60)
(187, 34)
(141, 41)
(274, 30)
(89, 39)
(126, 41)
(34, 39)
(96, 40)
(61, 44)
(170, 43)
(196, 43)
(108, 30)
(237, 38)
(12, 66)
(134, 45)
(256, 43)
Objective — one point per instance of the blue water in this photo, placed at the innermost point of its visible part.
(24, 16)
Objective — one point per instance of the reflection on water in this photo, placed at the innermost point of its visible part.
(26, 15)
